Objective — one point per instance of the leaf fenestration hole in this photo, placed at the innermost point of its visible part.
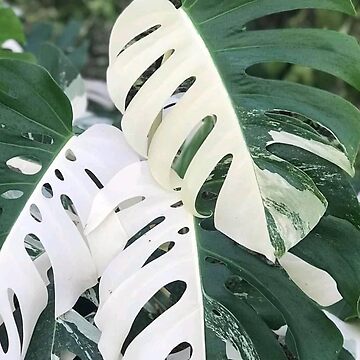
(145, 230)
(70, 210)
(207, 196)
(35, 213)
(39, 138)
(183, 231)
(94, 178)
(146, 75)
(176, 3)
(192, 144)
(129, 203)
(177, 205)
(4, 337)
(183, 351)
(139, 37)
(12, 194)
(69, 154)
(33, 246)
(17, 315)
(160, 251)
(24, 165)
(162, 301)
(179, 92)
(59, 175)
(47, 191)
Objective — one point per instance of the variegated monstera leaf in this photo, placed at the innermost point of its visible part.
(181, 290)
(48, 179)
(267, 202)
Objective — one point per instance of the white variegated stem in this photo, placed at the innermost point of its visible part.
(127, 284)
(66, 249)
(239, 213)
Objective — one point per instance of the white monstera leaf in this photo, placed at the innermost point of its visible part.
(265, 199)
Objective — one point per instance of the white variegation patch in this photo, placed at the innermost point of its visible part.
(351, 334)
(295, 212)
(325, 151)
(316, 283)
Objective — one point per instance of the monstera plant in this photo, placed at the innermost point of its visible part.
(218, 223)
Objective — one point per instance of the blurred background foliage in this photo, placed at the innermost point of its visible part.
(82, 28)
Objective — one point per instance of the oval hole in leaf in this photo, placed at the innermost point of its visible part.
(12, 194)
(17, 315)
(146, 75)
(183, 351)
(145, 230)
(4, 337)
(139, 37)
(179, 93)
(35, 213)
(183, 231)
(177, 205)
(47, 191)
(207, 196)
(160, 251)
(170, 103)
(129, 203)
(33, 246)
(176, 3)
(94, 178)
(40, 138)
(192, 144)
(162, 301)
(70, 210)
(59, 175)
(70, 155)
(24, 165)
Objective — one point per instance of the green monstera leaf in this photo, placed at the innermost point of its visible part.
(48, 179)
(36, 122)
